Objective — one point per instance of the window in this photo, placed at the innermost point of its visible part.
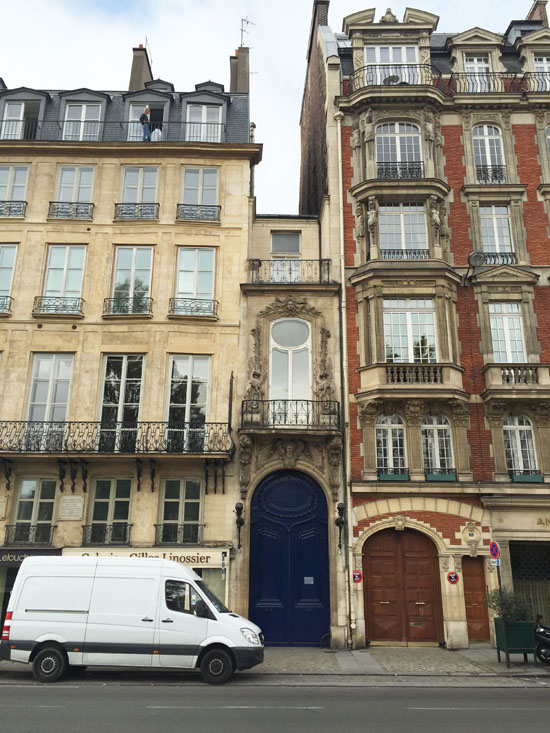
(409, 331)
(20, 121)
(204, 123)
(188, 409)
(63, 281)
(290, 383)
(82, 122)
(519, 446)
(402, 231)
(496, 233)
(34, 512)
(180, 597)
(110, 512)
(48, 400)
(507, 333)
(391, 457)
(200, 194)
(478, 76)
(132, 280)
(195, 282)
(542, 73)
(285, 243)
(121, 403)
(138, 194)
(13, 185)
(181, 512)
(398, 151)
(7, 263)
(436, 445)
(75, 184)
(390, 65)
(488, 154)
(285, 265)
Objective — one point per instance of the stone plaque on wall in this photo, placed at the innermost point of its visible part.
(71, 508)
(3, 505)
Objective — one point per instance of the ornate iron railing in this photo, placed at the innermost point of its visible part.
(70, 210)
(171, 533)
(129, 212)
(400, 171)
(24, 436)
(120, 306)
(15, 209)
(54, 305)
(101, 533)
(193, 307)
(414, 374)
(491, 174)
(481, 82)
(530, 475)
(433, 473)
(197, 212)
(536, 81)
(25, 533)
(519, 373)
(500, 258)
(386, 473)
(390, 75)
(295, 413)
(5, 303)
(289, 271)
(405, 254)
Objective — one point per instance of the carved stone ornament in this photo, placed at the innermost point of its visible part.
(414, 411)
(334, 457)
(290, 306)
(461, 413)
(256, 379)
(245, 457)
(496, 413)
(443, 219)
(542, 411)
(444, 563)
(458, 563)
(324, 390)
(355, 141)
(367, 126)
(399, 522)
(372, 216)
(369, 411)
(488, 566)
(359, 221)
(467, 120)
(389, 17)
(471, 536)
(434, 216)
(540, 117)
(505, 117)
(358, 59)
(429, 120)
(290, 451)
(424, 55)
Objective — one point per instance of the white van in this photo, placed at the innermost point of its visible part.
(84, 611)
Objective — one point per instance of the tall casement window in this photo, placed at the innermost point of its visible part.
(188, 408)
(403, 232)
(437, 449)
(390, 65)
(496, 234)
(478, 73)
(139, 193)
(488, 154)
(7, 263)
(204, 123)
(519, 446)
(33, 513)
(132, 280)
(63, 281)
(82, 122)
(121, 403)
(398, 151)
(200, 194)
(110, 512)
(507, 333)
(409, 331)
(48, 401)
(195, 282)
(74, 194)
(542, 73)
(290, 372)
(181, 512)
(20, 121)
(13, 187)
(391, 454)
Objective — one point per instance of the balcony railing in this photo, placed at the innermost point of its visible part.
(500, 258)
(178, 534)
(392, 474)
(491, 174)
(100, 533)
(400, 171)
(197, 212)
(131, 212)
(289, 271)
(25, 533)
(193, 307)
(405, 254)
(529, 476)
(414, 374)
(519, 373)
(481, 82)
(15, 209)
(24, 436)
(5, 303)
(391, 75)
(440, 474)
(290, 413)
(70, 210)
(57, 306)
(121, 306)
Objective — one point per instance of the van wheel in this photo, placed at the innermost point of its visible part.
(50, 664)
(216, 667)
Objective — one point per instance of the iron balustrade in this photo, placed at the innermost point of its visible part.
(414, 374)
(519, 373)
(500, 258)
(70, 210)
(23, 436)
(131, 212)
(193, 307)
(536, 81)
(445, 472)
(20, 129)
(405, 254)
(5, 303)
(171, 533)
(15, 209)
(387, 473)
(288, 271)
(102, 533)
(523, 475)
(197, 212)
(491, 174)
(122, 306)
(44, 305)
(484, 82)
(409, 170)
(395, 75)
(294, 413)
(25, 533)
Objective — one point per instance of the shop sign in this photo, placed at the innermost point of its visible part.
(14, 557)
(195, 557)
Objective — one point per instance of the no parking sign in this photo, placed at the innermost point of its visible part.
(453, 577)
(357, 576)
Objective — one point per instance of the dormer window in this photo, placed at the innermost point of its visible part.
(542, 73)
(82, 122)
(478, 73)
(204, 123)
(20, 121)
(156, 121)
(391, 65)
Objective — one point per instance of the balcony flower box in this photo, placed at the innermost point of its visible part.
(449, 475)
(526, 477)
(388, 476)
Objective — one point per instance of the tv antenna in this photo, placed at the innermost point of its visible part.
(244, 25)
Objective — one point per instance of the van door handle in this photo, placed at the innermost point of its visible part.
(147, 619)
(167, 620)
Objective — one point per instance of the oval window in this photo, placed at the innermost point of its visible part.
(290, 333)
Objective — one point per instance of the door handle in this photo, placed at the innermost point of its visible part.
(420, 603)
(167, 621)
(384, 603)
(147, 619)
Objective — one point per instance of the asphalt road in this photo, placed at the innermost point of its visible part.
(77, 708)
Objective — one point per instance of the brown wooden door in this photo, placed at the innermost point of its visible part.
(402, 589)
(477, 616)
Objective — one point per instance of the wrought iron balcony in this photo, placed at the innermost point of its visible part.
(400, 171)
(121, 306)
(491, 174)
(19, 129)
(197, 212)
(101, 533)
(414, 374)
(289, 271)
(193, 307)
(70, 210)
(391, 75)
(171, 533)
(131, 212)
(290, 413)
(500, 258)
(440, 474)
(104, 438)
(484, 82)
(14, 209)
(404, 254)
(25, 533)
(57, 306)
(5, 304)
(385, 473)
(525, 476)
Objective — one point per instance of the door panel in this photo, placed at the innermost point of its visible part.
(382, 576)
(477, 616)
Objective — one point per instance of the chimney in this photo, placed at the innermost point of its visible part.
(238, 66)
(319, 17)
(141, 69)
(538, 12)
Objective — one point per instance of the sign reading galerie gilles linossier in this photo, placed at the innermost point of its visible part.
(196, 557)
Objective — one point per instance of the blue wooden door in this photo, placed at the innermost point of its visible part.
(289, 575)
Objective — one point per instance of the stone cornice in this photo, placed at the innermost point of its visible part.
(401, 190)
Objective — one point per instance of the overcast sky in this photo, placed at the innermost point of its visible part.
(66, 44)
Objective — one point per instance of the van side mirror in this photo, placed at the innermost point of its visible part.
(202, 610)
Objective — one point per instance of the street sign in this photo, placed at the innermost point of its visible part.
(453, 577)
(357, 576)
(494, 549)
(495, 562)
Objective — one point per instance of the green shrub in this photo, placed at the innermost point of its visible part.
(509, 606)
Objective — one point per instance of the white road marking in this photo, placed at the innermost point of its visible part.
(32, 706)
(481, 709)
(234, 707)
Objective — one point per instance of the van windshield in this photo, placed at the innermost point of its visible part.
(218, 605)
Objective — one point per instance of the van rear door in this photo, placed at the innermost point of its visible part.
(180, 632)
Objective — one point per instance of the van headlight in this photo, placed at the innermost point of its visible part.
(250, 636)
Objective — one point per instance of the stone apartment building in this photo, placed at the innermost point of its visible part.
(433, 151)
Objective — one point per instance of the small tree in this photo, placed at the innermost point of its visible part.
(508, 605)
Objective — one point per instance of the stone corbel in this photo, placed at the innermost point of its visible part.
(444, 563)
(414, 411)
(369, 411)
(458, 563)
(429, 125)
(460, 412)
(334, 458)
(246, 447)
(359, 221)
(435, 218)
(542, 412)
(496, 413)
(372, 219)
(366, 125)
(399, 522)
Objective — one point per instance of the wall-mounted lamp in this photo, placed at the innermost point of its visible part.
(475, 259)
(339, 522)
(239, 521)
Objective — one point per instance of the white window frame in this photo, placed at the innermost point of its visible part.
(541, 64)
(492, 219)
(181, 523)
(291, 351)
(437, 443)
(10, 182)
(62, 293)
(55, 358)
(519, 444)
(6, 292)
(139, 188)
(118, 431)
(88, 128)
(194, 294)
(403, 213)
(407, 309)
(205, 134)
(488, 150)
(34, 520)
(382, 64)
(395, 143)
(111, 521)
(478, 72)
(78, 193)
(134, 250)
(12, 127)
(505, 318)
(390, 432)
(190, 375)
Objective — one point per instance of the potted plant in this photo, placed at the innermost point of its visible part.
(514, 628)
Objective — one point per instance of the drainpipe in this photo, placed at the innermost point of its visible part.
(339, 116)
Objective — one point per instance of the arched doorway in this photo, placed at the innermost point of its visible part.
(402, 588)
(289, 573)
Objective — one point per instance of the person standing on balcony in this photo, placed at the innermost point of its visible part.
(144, 119)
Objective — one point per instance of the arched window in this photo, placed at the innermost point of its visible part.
(290, 372)
(488, 154)
(519, 446)
(398, 151)
(391, 454)
(437, 448)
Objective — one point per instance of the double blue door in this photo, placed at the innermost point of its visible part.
(289, 574)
